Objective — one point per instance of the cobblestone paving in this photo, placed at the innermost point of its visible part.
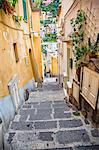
(46, 121)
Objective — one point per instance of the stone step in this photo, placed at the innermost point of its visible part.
(66, 148)
(88, 147)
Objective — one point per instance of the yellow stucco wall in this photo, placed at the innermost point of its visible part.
(37, 40)
(54, 69)
(11, 32)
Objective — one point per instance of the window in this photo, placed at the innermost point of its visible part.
(16, 52)
(25, 10)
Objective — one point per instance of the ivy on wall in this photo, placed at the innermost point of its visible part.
(78, 35)
(13, 2)
(17, 18)
(80, 48)
(8, 6)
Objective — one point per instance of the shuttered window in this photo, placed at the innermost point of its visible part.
(25, 10)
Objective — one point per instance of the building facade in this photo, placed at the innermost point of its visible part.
(19, 67)
(69, 11)
(78, 55)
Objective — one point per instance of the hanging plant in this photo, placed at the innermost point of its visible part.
(13, 2)
(8, 6)
(78, 35)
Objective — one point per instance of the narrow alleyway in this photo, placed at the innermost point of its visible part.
(46, 121)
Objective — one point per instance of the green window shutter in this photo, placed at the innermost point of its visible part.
(25, 10)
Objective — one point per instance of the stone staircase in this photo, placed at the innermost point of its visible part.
(48, 122)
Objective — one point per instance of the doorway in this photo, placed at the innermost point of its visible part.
(14, 92)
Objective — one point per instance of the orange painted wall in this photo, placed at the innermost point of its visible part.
(37, 40)
(11, 32)
(54, 68)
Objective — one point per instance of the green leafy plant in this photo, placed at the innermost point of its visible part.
(13, 2)
(78, 35)
(48, 21)
(36, 4)
(50, 37)
(8, 6)
(44, 50)
(17, 18)
(52, 7)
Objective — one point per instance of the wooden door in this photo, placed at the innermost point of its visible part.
(14, 92)
(93, 88)
(86, 80)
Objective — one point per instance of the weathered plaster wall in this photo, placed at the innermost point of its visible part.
(62, 61)
(11, 32)
(69, 11)
(88, 6)
(37, 40)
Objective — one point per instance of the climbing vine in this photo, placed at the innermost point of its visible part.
(8, 6)
(13, 2)
(78, 35)
(17, 18)
(79, 48)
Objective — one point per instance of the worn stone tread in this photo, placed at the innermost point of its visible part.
(65, 137)
(45, 125)
(89, 147)
(46, 122)
(70, 123)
